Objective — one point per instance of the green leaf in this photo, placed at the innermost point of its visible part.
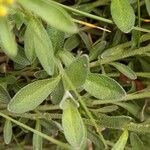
(43, 47)
(120, 145)
(66, 57)
(72, 42)
(37, 140)
(77, 72)
(53, 14)
(20, 58)
(114, 122)
(57, 37)
(127, 71)
(123, 15)
(136, 142)
(29, 41)
(32, 95)
(96, 50)
(7, 131)
(7, 39)
(103, 87)
(4, 95)
(147, 3)
(73, 125)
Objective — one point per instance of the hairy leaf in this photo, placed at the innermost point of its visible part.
(77, 72)
(123, 15)
(103, 87)
(73, 126)
(4, 95)
(32, 95)
(43, 47)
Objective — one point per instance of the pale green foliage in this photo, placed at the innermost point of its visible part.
(123, 15)
(28, 99)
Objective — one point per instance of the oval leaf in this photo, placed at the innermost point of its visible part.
(32, 95)
(73, 126)
(77, 71)
(125, 70)
(123, 15)
(43, 47)
(103, 87)
(7, 39)
(51, 13)
(120, 145)
(7, 131)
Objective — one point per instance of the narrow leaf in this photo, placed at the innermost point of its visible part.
(43, 47)
(124, 70)
(7, 39)
(57, 37)
(120, 145)
(53, 14)
(29, 41)
(77, 71)
(32, 95)
(7, 131)
(37, 140)
(103, 87)
(73, 126)
(123, 15)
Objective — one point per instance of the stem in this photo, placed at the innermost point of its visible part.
(61, 144)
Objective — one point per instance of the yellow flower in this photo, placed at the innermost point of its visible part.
(3, 10)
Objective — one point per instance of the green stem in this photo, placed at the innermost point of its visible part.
(61, 144)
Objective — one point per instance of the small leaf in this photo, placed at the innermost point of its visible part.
(53, 14)
(57, 94)
(57, 37)
(32, 95)
(114, 122)
(120, 145)
(72, 42)
(37, 140)
(77, 72)
(124, 70)
(29, 41)
(20, 58)
(96, 50)
(123, 15)
(66, 57)
(7, 39)
(43, 47)
(7, 131)
(73, 126)
(103, 87)
(147, 2)
(4, 95)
